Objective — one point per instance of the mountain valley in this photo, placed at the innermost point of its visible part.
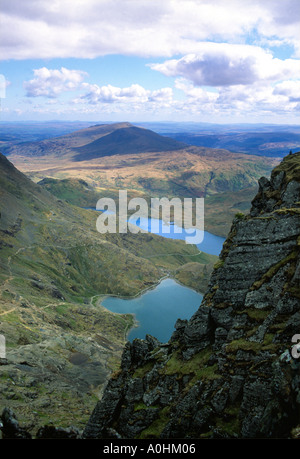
(122, 156)
(55, 268)
(62, 345)
(232, 370)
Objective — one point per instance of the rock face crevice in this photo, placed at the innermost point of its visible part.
(228, 372)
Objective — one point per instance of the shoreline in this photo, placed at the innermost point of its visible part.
(170, 222)
(130, 297)
(136, 322)
(145, 290)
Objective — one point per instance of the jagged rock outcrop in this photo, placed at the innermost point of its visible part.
(228, 372)
(11, 430)
(10, 427)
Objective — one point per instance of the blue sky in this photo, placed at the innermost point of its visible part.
(144, 60)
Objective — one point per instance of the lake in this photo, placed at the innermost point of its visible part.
(210, 244)
(157, 310)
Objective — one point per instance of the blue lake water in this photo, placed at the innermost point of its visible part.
(157, 310)
(210, 244)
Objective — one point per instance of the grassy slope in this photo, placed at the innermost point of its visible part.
(221, 208)
(61, 346)
(229, 178)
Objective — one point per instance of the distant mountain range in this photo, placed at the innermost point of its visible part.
(272, 140)
(98, 141)
(255, 139)
(117, 156)
(271, 144)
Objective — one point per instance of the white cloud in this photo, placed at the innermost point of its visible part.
(109, 94)
(135, 94)
(91, 28)
(239, 99)
(289, 89)
(207, 45)
(51, 83)
(281, 21)
(222, 64)
(196, 94)
(163, 95)
(258, 97)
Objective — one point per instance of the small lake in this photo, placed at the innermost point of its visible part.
(157, 310)
(210, 244)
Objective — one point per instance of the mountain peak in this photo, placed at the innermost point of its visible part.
(283, 188)
(127, 139)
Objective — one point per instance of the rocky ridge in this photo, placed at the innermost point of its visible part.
(228, 372)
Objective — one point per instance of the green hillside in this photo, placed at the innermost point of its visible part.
(55, 267)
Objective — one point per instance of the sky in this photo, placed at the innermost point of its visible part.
(214, 61)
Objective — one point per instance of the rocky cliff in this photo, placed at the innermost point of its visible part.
(229, 370)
